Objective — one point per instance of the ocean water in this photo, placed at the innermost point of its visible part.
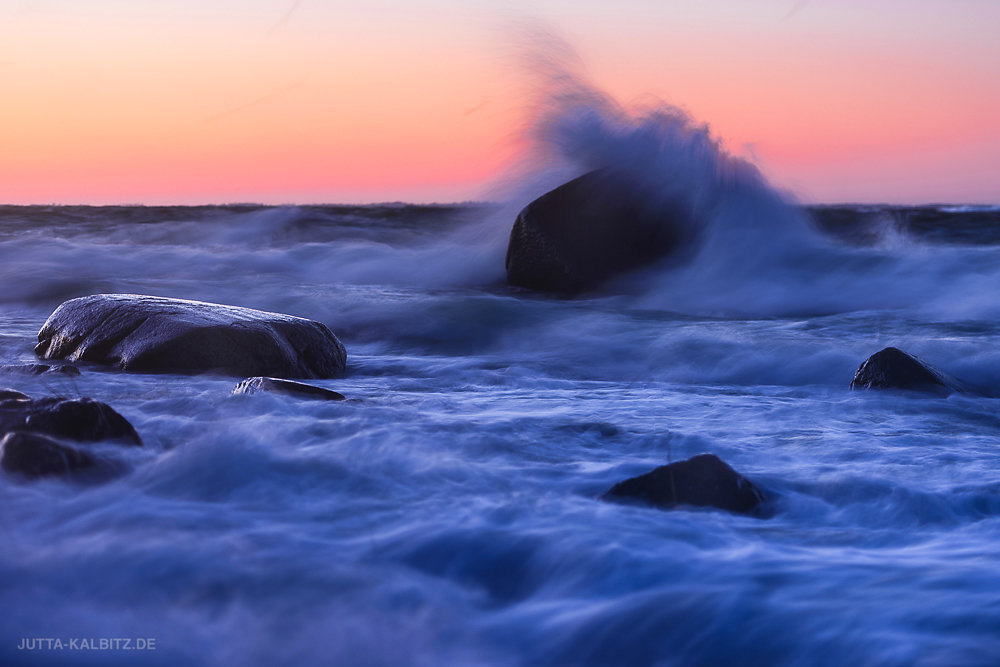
(448, 512)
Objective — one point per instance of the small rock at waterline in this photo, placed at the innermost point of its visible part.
(74, 418)
(36, 455)
(275, 385)
(13, 395)
(892, 368)
(154, 334)
(702, 481)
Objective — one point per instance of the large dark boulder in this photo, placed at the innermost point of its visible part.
(35, 455)
(591, 229)
(289, 387)
(153, 334)
(894, 369)
(702, 481)
(81, 419)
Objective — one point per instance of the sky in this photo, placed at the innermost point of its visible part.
(309, 101)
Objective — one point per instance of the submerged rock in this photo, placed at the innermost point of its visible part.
(154, 334)
(39, 369)
(76, 419)
(894, 369)
(36, 455)
(589, 230)
(703, 481)
(275, 385)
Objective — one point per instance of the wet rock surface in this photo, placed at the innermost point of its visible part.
(586, 231)
(13, 394)
(34, 432)
(36, 455)
(701, 481)
(256, 385)
(82, 419)
(892, 368)
(154, 334)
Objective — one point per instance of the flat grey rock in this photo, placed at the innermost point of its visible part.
(154, 334)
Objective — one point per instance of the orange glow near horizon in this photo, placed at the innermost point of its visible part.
(114, 102)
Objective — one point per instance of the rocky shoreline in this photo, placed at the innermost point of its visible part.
(136, 333)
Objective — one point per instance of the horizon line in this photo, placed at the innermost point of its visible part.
(442, 204)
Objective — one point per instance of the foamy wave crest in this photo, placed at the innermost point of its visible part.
(756, 253)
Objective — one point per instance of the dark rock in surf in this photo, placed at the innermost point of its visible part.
(589, 230)
(29, 428)
(274, 385)
(13, 394)
(35, 455)
(702, 481)
(153, 334)
(39, 369)
(894, 369)
(81, 419)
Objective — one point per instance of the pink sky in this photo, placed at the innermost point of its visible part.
(140, 101)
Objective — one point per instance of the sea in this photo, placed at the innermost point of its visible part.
(449, 512)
